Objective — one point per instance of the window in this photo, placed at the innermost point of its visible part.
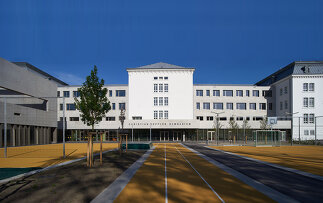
(286, 104)
(248, 118)
(110, 118)
(160, 114)
(239, 93)
(305, 102)
(70, 107)
(270, 106)
(110, 93)
(228, 93)
(113, 106)
(160, 78)
(268, 93)
(262, 106)
(76, 94)
(160, 87)
(230, 106)
(208, 93)
(223, 118)
(155, 78)
(252, 106)
(155, 115)
(258, 118)
(155, 88)
(198, 106)
(137, 118)
(206, 105)
(241, 106)
(285, 90)
(305, 87)
(247, 93)
(161, 101)
(281, 105)
(305, 118)
(120, 93)
(209, 118)
(199, 118)
(166, 101)
(122, 106)
(166, 114)
(155, 101)
(66, 94)
(199, 93)
(311, 118)
(58, 94)
(231, 119)
(305, 132)
(255, 93)
(281, 91)
(311, 102)
(61, 107)
(239, 118)
(216, 93)
(311, 87)
(165, 78)
(217, 105)
(166, 87)
(74, 119)
(312, 132)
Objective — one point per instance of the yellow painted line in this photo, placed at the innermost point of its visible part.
(303, 158)
(46, 155)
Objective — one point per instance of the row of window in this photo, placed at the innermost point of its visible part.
(161, 114)
(308, 118)
(285, 91)
(308, 102)
(118, 93)
(161, 101)
(241, 106)
(72, 107)
(160, 87)
(161, 78)
(238, 118)
(229, 93)
(309, 132)
(308, 87)
(281, 104)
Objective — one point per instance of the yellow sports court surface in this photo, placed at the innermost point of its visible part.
(304, 158)
(47, 155)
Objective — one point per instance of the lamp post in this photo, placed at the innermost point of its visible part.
(217, 125)
(315, 128)
(292, 129)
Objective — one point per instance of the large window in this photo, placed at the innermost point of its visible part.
(217, 105)
(61, 107)
(160, 87)
(166, 101)
(209, 118)
(155, 101)
(58, 94)
(122, 106)
(305, 118)
(113, 106)
(66, 94)
(285, 90)
(239, 93)
(308, 87)
(311, 118)
(208, 93)
(166, 87)
(199, 118)
(281, 91)
(230, 106)
(311, 102)
(262, 106)
(286, 104)
(255, 93)
(252, 106)
(311, 87)
(198, 106)
(166, 114)
(206, 105)
(241, 106)
(110, 93)
(247, 93)
(216, 93)
(155, 115)
(161, 101)
(120, 93)
(76, 94)
(305, 87)
(305, 102)
(199, 93)
(155, 87)
(160, 114)
(110, 118)
(70, 107)
(228, 93)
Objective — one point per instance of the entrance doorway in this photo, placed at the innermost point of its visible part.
(210, 135)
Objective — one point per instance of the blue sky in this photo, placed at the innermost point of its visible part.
(227, 41)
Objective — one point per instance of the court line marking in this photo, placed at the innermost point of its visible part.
(48, 167)
(273, 194)
(307, 174)
(110, 193)
(166, 192)
(201, 176)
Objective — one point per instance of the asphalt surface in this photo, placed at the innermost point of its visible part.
(298, 187)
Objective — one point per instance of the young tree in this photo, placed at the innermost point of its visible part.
(245, 126)
(264, 123)
(217, 126)
(233, 125)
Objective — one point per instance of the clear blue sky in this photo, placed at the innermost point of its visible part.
(227, 41)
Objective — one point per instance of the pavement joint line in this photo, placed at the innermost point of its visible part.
(110, 193)
(201, 177)
(273, 194)
(49, 167)
(166, 194)
(307, 174)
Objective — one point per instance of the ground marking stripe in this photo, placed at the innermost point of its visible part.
(47, 168)
(166, 195)
(201, 176)
(273, 194)
(310, 175)
(110, 193)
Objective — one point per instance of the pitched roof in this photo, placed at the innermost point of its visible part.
(161, 65)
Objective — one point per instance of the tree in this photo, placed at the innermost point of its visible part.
(264, 123)
(93, 103)
(245, 126)
(217, 126)
(233, 125)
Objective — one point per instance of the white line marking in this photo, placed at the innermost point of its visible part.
(166, 196)
(201, 176)
(318, 177)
